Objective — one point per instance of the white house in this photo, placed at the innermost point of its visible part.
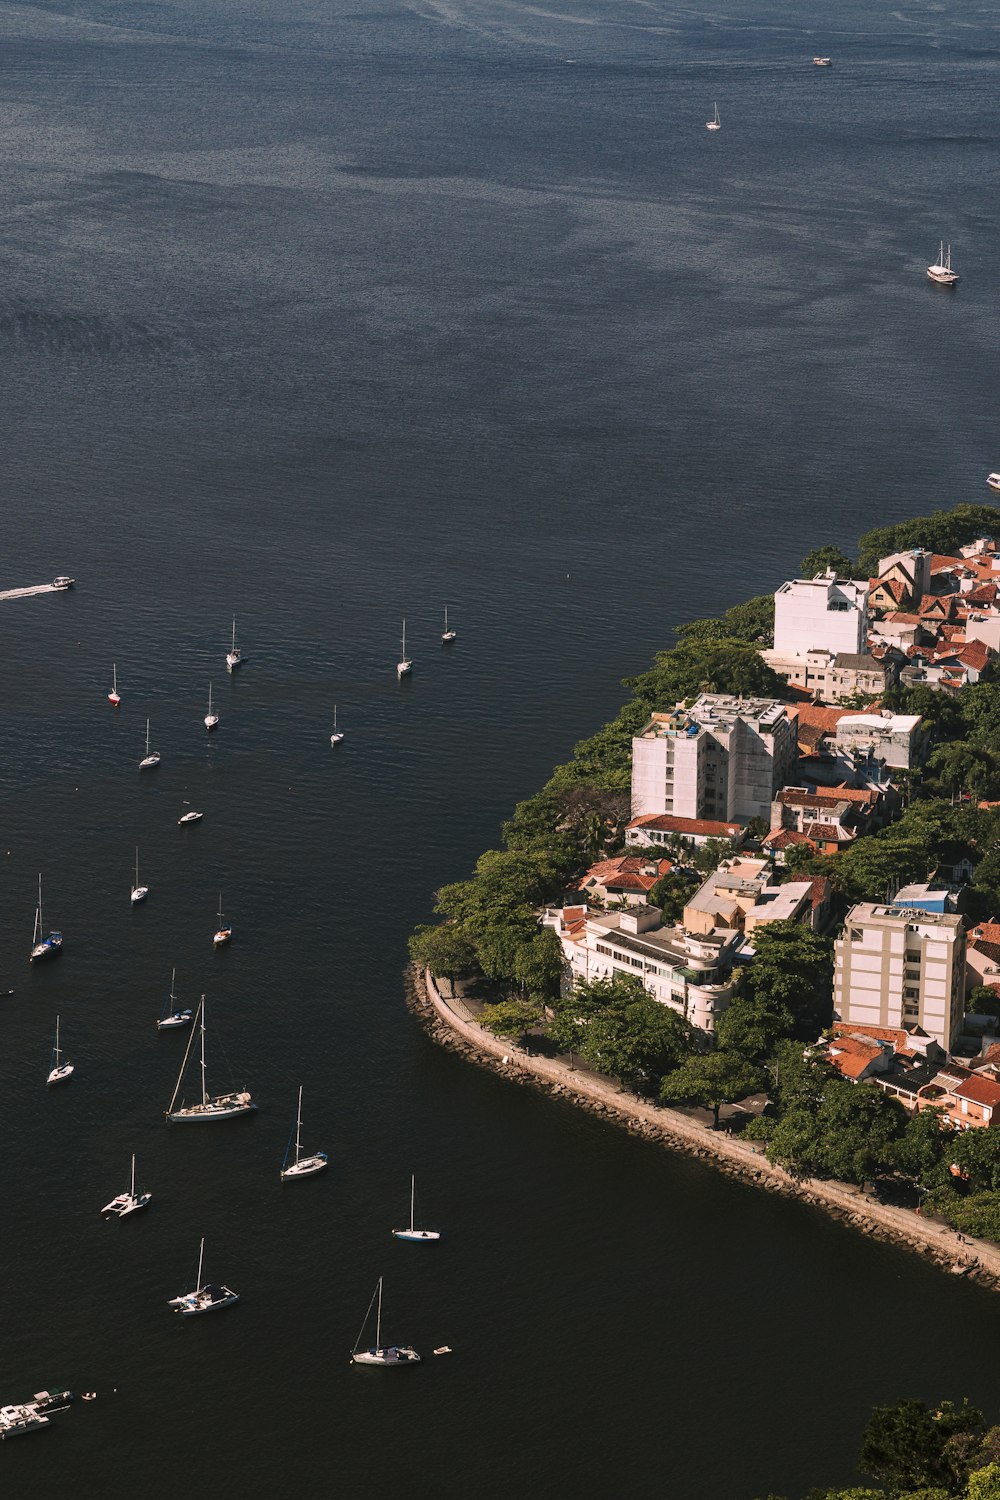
(825, 613)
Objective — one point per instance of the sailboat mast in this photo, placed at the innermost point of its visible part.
(413, 1188)
(58, 1052)
(187, 1054)
(204, 1090)
(298, 1126)
(40, 926)
(378, 1317)
(201, 1258)
(133, 1175)
(404, 640)
(173, 976)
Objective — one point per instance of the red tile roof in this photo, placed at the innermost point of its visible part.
(703, 827)
(783, 838)
(852, 1055)
(980, 1091)
(975, 655)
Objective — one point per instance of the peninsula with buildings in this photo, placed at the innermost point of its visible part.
(765, 897)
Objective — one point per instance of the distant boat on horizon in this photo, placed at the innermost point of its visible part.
(715, 123)
(822, 62)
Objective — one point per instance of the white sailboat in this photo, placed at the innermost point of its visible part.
(421, 1236)
(151, 758)
(715, 123)
(127, 1203)
(211, 719)
(206, 1297)
(381, 1354)
(302, 1166)
(224, 931)
(404, 666)
(941, 271)
(114, 697)
(59, 1072)
(211, 1107)
(139, 892)
(172, 1017)
(447, 633)
(234, 656)
(49, 946)
(338, 734)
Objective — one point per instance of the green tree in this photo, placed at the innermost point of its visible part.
(753, 1025)
(920, 1150)
(984, 1484)
(538, 963)
(828, 556)
(984, 1000)
(792, 967)
(723, 665)
(512, 1018)
(941, 532)
(711, 1079)
(906, 1446)
(752, 622)
(634, 1038)
(959, 767)
(447, 950)
(801, 1077)
(859, 1125)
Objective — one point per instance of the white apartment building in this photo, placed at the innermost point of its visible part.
(897, 739)
(897, 967)
(724, 758)
(692, 973)
(828, 676)
(825, 613)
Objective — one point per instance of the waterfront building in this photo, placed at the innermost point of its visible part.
(656, 830)
(692, 973)
(628, 879)
(896, 968)
(832, 676)
(825, 613)
(721, 759)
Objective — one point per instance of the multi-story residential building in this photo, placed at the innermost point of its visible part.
(831, 677)
(909, 571)
(722, 759)
(898, 740)
(740, 895)
(900, 968)
(659, 830)
(825, 613)
(692, 973)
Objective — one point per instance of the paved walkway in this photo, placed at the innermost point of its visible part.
(690, 1134)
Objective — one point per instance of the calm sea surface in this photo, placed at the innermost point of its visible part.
(331, 314)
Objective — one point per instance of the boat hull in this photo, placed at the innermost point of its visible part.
(222, 937)
(60, 1075)
(179, 1018)
(215, 1109)
(125, 1204)
(50, 947)
(308, 1166)
(416, 1236)
(388, 1358)
(191, 817)
(148, 762)
(139, 894)
(205, 1300)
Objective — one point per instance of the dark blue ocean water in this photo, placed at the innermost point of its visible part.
(330, 314)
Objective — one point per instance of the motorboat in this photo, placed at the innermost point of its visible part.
(128, 1202)
(60, 1071)
(390, 1356)
(993, 480)
(715, 123)
(822, 62)
(941, 272)
(63, 582)
(417, 1236)
(189, 817)
(302, 1166)
(206, 1297)
(139, 892)
(211, 1106)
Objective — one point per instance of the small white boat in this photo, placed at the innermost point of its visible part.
(822, 62)
(390, 1355)
(420, 1236)
(139, 892)
(404, 666)
(172, 1017)
(205, 1298)
(211, 719)
(941, 271)
(447, 633)
(234, 655)
(302, 1166)
(43, 947)
(993, 480)
(715, 123)
(59, 1072)
(114, 697)
(211, 1107)
(63, 582)
(224, 931)
(338, 734)
(152, 757)
(127, 1203)
(189, 817)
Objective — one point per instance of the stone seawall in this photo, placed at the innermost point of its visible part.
(452, 1025)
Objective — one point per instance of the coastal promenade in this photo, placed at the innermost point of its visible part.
(450, 1021)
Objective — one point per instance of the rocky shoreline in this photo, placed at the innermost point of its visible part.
(443, 1020)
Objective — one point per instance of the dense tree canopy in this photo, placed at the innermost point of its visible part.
(940, 532)
(711, 1079)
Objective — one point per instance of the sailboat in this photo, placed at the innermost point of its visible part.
(302, 1166)
(420, 1235)
(381, 1354)
(204, 1298)
(224, 932)
(43, 947)
(127, 1203)
(173, 1017)
(212, 1107)
(404, 666)
(211, 720)
(151, 758)
(715, 123)
(114, 697)
(447, 634)
(139, 892)
(59, 1072)
(235, 655)
(338, 734)
(941, 272)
